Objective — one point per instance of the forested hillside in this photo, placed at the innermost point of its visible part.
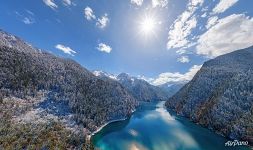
(220, 96)
(48, 85)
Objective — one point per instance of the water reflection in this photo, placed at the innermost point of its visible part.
(112, 127)
(152, 127)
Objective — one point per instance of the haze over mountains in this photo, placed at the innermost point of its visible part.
(220, 96)
(141, 89)
(171, 88)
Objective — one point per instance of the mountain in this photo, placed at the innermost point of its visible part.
(141, 89)
(37, 88)
(12, 41)
(104, 75)
(220, 96)
(172, 88)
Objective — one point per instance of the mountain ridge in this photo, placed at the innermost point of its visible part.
(37, 80)
(220, 95)
(139, 88)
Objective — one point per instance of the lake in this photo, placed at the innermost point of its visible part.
(152, 127)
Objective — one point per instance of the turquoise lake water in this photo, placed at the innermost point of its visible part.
(152, 127)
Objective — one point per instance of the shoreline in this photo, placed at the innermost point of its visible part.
(105, 124)
(115, 120)
(203, 126)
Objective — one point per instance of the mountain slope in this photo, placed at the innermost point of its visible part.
(140, 89)
(220, 96)
(26, 72)
(172, 88)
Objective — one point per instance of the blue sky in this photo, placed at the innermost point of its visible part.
(112, 35)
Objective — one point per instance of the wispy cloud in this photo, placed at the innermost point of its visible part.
(223, 5)
(176, 76)
(27, 20)
(183, 59)
(30, 12)
(230, 33)
(159, 3)
(27, 17)
(103, 21)
(219, 36)
(51, 4)
(67, 2)
(181, 51)
(65, 49)
(183, 25)
(149, 80)
(104, 48)
(211, 21)
(137, 2)
(89, 14)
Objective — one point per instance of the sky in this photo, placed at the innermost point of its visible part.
(157, 40)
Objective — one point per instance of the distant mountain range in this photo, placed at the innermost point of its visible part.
(171, 87)
(141, 89)
(220, 96)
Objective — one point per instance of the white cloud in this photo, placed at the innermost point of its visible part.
(88, 13)
(204, 15)
(183, 59)
(67, 2)
(137, 2)
(159, 3)
(149, 80)
(176, 76)
(50, 3)
(183, 25)
(104, 48)
(181, 51)
(103, 21)
(27, 20)
(181, 30)
(221, 35)
(65, 49)
(194, 3)
(30, 12)
(230, 33)
(211, 21)
(223, 5)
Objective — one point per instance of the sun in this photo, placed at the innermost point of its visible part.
(147, 25)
